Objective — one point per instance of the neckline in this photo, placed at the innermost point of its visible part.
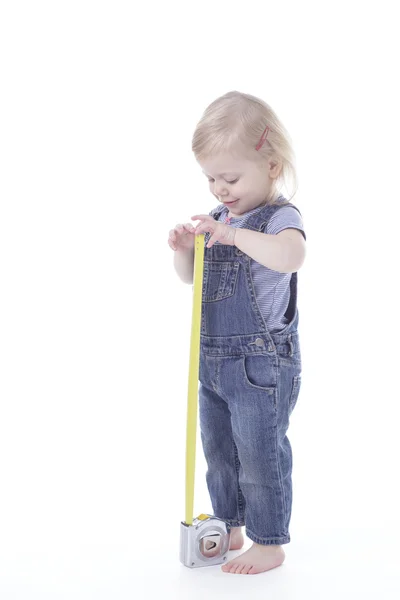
(250, 212)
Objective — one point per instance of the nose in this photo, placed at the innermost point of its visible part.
(220, 189)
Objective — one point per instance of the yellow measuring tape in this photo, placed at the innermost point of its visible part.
(194, 376)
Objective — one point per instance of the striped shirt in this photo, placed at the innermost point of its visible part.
(272, 288)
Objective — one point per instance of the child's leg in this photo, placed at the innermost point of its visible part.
(259, 403)
(259, 396)
(266, 464)
(237, 539)
(222, 460)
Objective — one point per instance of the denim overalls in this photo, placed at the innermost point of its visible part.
(249, 385)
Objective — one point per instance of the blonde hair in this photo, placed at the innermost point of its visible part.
(234, 123)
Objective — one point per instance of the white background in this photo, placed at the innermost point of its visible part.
(99, 101)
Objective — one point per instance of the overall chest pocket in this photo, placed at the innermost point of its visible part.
(219, 280)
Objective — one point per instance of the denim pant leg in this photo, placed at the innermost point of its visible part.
(259, 400)
(221, 456)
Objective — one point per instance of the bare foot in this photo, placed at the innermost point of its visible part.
(237, 539)
(256, 560)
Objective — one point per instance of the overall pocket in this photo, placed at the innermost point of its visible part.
(219, 280)
(260, 379)
(260, 371)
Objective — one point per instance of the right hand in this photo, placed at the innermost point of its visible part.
(182, 237)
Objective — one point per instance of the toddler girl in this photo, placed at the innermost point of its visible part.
(250, 364)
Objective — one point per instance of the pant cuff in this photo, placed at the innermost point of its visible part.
(267, 541)
(234, 522)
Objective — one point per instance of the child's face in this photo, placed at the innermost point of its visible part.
(239, 183)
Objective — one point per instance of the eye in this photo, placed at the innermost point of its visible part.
(211, 180)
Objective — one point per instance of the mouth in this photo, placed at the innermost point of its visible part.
(230, 203)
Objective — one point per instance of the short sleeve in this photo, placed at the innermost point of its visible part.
(286, 217)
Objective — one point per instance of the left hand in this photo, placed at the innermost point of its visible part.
(220, 232)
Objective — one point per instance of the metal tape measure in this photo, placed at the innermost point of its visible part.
(204, 540)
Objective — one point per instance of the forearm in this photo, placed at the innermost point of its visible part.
(184, 264)
(273, 251)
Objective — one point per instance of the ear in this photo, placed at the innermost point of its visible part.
(275, 168)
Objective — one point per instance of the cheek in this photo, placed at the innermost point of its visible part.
(239, 191)
(211, 188)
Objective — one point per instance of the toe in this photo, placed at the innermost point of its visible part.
(246, 570)
(239, 568)
(229, 567)
(253, 570)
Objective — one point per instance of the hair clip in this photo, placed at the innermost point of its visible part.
(263, 138)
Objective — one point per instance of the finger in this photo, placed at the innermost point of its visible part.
(172, 235)
(171, 245)
(201, 218)
(212, 240)
(203, 228)
(189, 227)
